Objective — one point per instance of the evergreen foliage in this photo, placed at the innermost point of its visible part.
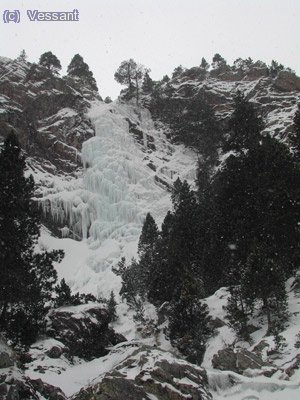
(244, 125)
(131, 74)
(22, 56)
(64, 295)
(50, 61)
(204, 64)
(148, 84)
(111, 306)
(177, 72)
(217, 58)
(27, 278)
(78, 68)
(275, 68)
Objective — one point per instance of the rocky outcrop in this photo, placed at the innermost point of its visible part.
(237, 360)
(47, 112)
(275, 95)
(83, 330)
(15, 386)
(7, 357)
(150, 374)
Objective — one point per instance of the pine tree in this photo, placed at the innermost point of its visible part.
(64, 295)
(148, 84)
(131, 74)
(244, 125)
(50, 61)
(78, 68)
(263, 279)
(189, 320)
(111, 307)
(148, 236)
(22, 56)
(217, 58)
(275, 68)
(177, 72)
(27, 279)
(204, 64)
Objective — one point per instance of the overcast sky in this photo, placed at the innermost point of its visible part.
(161, 34)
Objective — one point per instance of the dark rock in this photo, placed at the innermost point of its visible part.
(16, 386)
(294, 366)
(237, 361)
(6, 360)
(246, 359)
(54, 352)
(225, 360)
(84, 331)
(216, 323)
(152, 373)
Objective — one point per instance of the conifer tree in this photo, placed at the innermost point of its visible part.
(148, 84)
(177, 72)
(26, 278)
(131, 74)
(244, 125)
(148, 236)
(79, 68)
(111, 306)
(64, 295)
(50, 61)
(204, 64)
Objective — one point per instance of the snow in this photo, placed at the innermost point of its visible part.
(106, 205)
(75, 377)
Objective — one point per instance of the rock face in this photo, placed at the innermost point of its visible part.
(84, 330)
(15, 386)
(276, 96)
(5, 360)
(47, 112)
(7, 357)
(237, 361)
(150, 374)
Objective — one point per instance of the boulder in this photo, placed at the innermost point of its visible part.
(150, 373)
(15, 386)
(55, 352)
(83, 329)
(225, 360)
(237, 360)
(6, 360)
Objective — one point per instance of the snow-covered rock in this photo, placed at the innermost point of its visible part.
(149, 373)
